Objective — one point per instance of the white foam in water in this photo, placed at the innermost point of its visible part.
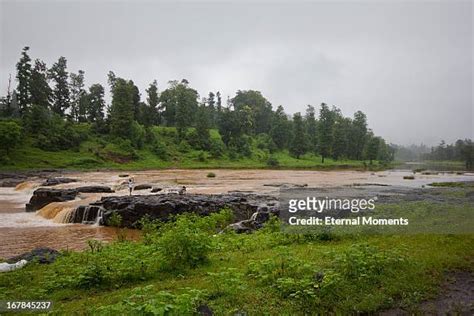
(24, 219)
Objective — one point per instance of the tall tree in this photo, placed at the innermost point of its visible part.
(342, 127)
(23, 76)
(358, 134)
(40, 89)
(179, 103)
(121, 110)
(326, 131)
(299, 144)
(372, 148)
(311, 128)
(260, 106)
(61, 97)
(95, 103)
(203, 137)
(135, 100)
(149, 111)
(281, 128)
(219, 102)
(77, 94)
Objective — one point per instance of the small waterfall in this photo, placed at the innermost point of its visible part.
(100, 215)
(25, 185)
(87, 214)
(52, 210)
(64, 212)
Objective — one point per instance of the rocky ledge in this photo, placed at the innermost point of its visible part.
(43, 196)
(251, 210)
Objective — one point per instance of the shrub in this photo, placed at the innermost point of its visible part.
(217, 148)
(10, 134)
(184, 147)
(211, 175)
(273, 162)
(265, 142)
(115, 220)
(121, 150)
(149, 228)
(159, 149)
(202, 156)
(138, 135)
(183, 243)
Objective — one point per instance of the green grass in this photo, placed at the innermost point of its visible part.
(98, 154)
(268, 272)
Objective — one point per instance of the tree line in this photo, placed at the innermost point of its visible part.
(461, 150)
(52, 105)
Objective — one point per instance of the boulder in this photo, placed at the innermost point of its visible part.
(142, 187)
(43, 196)
(56, 181)
(156, 189)
(41, 255)
(94, 189)
(11, 180)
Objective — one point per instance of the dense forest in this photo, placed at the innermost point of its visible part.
(51, 108)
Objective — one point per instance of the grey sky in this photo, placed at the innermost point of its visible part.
(407, 65)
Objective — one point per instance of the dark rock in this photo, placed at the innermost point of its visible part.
(43, 196)
(163, 206)
(123, 175)
(94, 189)
(142, 187)
(41, 255)
(11, 180)
(56, 181)
(286, 185)
(155, 189)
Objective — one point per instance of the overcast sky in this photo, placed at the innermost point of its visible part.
(408, 66)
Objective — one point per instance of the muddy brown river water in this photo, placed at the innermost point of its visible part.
(21, 231)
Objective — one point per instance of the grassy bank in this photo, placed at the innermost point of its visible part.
(101, 153)
(185, 265)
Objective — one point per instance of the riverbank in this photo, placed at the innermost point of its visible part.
(91, 156)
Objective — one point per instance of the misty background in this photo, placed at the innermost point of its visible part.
(408, 66)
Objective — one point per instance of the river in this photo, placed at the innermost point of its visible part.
(21, 231)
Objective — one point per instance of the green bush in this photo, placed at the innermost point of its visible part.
(217, 149)
(211, 175)
(10, 135)
(160, 150)
(120, 150)
(273, 162)
(138, 135)
(183, 243)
